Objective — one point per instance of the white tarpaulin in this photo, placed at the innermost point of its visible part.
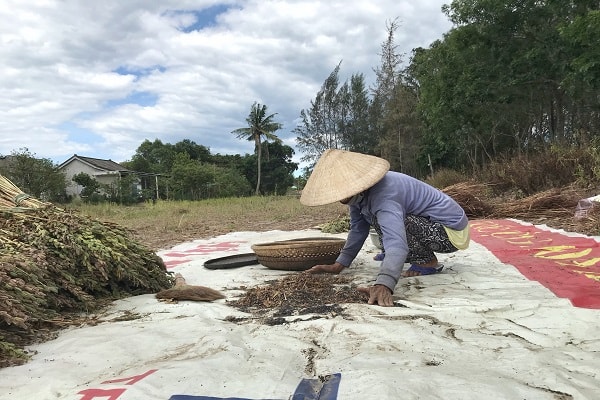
(478, 330)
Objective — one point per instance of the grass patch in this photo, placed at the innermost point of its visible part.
(172, 213)
(170, 222)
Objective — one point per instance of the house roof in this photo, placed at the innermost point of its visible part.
(104, 165)
(5, 160)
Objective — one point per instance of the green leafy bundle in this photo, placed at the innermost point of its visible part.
(55, 264)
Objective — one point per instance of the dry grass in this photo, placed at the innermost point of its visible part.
(165, 224)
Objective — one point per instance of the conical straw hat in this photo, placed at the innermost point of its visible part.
(340, 174)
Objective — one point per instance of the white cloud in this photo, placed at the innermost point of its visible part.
(70, 66)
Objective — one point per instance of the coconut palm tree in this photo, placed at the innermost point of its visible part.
(259, 124)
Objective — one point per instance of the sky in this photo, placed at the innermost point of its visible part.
(97, 78)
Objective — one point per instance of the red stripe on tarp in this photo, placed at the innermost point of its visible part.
(568, 266)
(174, 263)
(204, 248)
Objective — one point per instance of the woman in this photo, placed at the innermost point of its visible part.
(414, 219)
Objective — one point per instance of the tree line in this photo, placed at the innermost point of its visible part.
(512, 78)
(189, 171)
(181, 171)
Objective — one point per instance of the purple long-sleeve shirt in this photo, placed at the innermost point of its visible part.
(389, 200)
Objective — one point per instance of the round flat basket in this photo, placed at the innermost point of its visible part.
(298, 254)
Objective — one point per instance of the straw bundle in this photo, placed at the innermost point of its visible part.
(12, 197)
(476, 200)
(553, 203)
(472, 198)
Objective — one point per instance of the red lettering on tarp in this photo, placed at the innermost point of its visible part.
(567, 265)
(174, 263)
(174, 258)
(132, 379)
(204, 248)
(110, 394)
(113, 394)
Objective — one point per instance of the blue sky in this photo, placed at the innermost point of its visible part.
(98, 78)
(205, 18)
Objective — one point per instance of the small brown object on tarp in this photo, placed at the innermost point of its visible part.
(183, 291)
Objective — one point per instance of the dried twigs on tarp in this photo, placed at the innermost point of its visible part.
(301, 290)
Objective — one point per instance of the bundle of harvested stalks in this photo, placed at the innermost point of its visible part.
(12, 197)
(470, 196)
(56, 263)
(553, 203)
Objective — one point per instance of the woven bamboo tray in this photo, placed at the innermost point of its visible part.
(298, 254)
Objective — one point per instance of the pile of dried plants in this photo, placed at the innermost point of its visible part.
(554, 207)
(301, 290)
(478, 201)
(55, 264)
(473, 198)
(550, 204)
(299, 294)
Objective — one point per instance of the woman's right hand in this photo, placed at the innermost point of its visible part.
(334, 268)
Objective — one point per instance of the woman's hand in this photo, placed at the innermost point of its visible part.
(379, 294)
(334, 268)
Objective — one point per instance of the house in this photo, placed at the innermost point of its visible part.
(5, 161)
(106, 172)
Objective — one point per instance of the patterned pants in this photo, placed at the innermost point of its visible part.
(425, 238)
